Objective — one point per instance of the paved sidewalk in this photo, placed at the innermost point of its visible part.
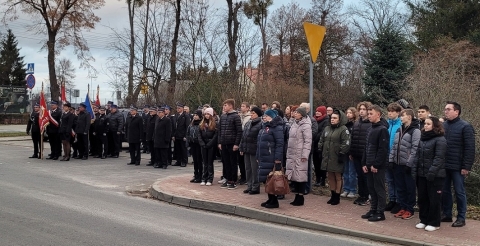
(315, 214)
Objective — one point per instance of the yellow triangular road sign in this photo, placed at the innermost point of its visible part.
(315, 35)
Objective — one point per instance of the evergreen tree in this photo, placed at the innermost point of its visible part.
(12, 67)
(387, 65)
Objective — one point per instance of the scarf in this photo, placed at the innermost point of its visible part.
(427, 135)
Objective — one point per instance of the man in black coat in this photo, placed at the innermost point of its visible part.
(81, 130)
(182, 120)
(65, 130)
(150, 129)
(135, 132)
(145, 119)
(52, 131)
(34, 128)
(172, 122)
(115, 130)
(93, 139)
(101, 131)
(162, 138)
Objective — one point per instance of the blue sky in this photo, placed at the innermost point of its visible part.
(30, 44)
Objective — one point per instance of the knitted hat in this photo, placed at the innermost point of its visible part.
(209, 111)
(302, 111)
(322, 109)
(258, 111)
(272, 113)
(199, 113)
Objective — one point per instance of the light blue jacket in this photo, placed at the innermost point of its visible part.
(393, 126)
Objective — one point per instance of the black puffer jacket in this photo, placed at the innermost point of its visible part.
(230, 129)
(376, 147)
(193, 131)
(460, 137)
(116, 121)
(430, 157)
(359, 138)
(321, 126)
(248, 145)
(208, 138)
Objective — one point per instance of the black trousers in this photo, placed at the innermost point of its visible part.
(376, 188)
(241, 166)
(430, 200)
(169, 153)
(208, 155)
(161, 156)
(196, 152)
(230, 162)
(114, 143)
(153, 155)
(36, 143)
(145, 145)
(82, 144)
(55, 144)
(94, 143)
(102, 145)
(361, 178)
(320, 175)
(135, 153)
(180, 149)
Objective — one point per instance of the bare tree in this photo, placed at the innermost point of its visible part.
(65, 72)
(67, 18)
(232, 34)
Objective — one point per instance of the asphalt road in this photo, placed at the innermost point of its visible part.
(85, 203)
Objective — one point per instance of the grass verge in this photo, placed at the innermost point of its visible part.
(12, 134)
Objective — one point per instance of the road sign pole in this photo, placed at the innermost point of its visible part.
(310, 93)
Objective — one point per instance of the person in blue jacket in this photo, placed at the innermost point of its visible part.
(394, 123)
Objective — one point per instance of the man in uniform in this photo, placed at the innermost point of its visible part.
(162, 134)
(81, 130)
(115, 129)
(172, 121)
(101, 130)
(145, 118)
(52, 131)
(34, 128)
(182, 120)
(135, 130)
(150, 129)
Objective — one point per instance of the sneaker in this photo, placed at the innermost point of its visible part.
(344, 194)
(231, 186)
(368, 214)
(396, 209)
(224, 185)
(399, 214)
(377, 217)
(242, 182)
(407, 215)
(203, 183)
(208, 184)
(362, 201)
(431, 228)
(351, 195)
(420, 226)
(446, 219)
(222, 180)
(390, 206)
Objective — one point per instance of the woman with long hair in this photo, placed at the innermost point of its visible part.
(207, 140)
(335, 143)
(349, 172)
(193, 132)
(430, 164)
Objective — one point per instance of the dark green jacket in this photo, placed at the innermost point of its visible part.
(335, 143)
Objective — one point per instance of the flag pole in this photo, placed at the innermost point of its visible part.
(41, 137)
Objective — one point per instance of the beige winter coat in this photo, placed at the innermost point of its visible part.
(299, 145)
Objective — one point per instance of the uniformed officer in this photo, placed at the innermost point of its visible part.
(101, 130)
(34, 128)
(52, 131)
(65, 130)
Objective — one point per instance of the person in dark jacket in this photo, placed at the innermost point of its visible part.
(115, 130)
(92, 137)
(81, 131)
(65, 130)
(52, 131)
(34, 128)
(321, 119)
(430, 163)
(358, 140)
(270, 151)
(229, 136)
(135, 132)
(423, 113)
(374, 158)
(335, 144)
(402, 155)
(208, 142)
(73, 140)
(101, 131)
(349, 172)
(149, 135)
(248, 148)
(145, 119)
(460, 137)
(162, 138)
(192, 138)
(394, 123)
(182, 120)
(172, 121)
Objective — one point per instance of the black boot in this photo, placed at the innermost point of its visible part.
(267, 202)
(299, 201)
(331, 197)
(336, 199)
(295, 200)
(273, 203)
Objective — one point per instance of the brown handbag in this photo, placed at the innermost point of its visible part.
(277, 183)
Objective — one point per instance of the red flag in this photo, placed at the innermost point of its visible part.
(44, 118)
(97, 99)
(63, 94)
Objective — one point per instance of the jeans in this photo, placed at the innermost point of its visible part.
(361, 178)
(251, 168)
(349, 177)
(406, 190)
(430, 200)
(391, 183)
(458, 185)
(376, 188)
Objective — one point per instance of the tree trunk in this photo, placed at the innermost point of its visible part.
(131, 14)
(173, 55)
(232, 33)
(145, 38)
(54, 88)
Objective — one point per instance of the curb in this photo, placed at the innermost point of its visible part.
(261, 215)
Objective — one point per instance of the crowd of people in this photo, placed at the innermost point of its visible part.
(384, 162)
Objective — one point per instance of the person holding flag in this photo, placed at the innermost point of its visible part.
(44, 120)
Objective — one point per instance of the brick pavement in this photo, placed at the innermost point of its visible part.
(346, 215)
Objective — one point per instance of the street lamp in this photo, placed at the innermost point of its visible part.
(91, 82)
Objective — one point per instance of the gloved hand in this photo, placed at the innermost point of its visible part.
(408, 170)
(430, 176)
